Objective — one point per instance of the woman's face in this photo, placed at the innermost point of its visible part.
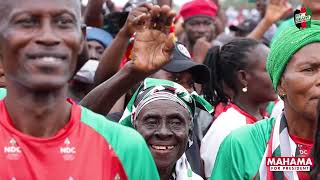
(259, 84)
(165, 127)
(301, 82)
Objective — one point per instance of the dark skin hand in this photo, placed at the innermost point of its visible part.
(164, 2)
(276, 9)
(111, 58)
(152, 50)
(93, 14)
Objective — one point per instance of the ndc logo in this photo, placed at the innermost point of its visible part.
(302, 18)
(13, 152)
(67, 151)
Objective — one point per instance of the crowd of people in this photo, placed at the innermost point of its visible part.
(149, 93)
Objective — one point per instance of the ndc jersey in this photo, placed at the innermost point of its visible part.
(229, 118)
(305, 149)
(88, 147)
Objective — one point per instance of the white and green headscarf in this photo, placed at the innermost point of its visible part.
(158, 89)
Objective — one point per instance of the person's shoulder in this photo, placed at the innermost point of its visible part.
(3, 93)
(230, 117)
(244, 149)
(113, 132)
(258, 132)
(127, 143)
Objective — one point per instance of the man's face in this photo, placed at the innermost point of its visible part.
(184, 78)
(95, 50)
(40, 41)
(198, 27)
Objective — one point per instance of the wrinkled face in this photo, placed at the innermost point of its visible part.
(198, 27)
(95, 50)
(184, 78)
(165, 127)
(301, 82)
(262, 91)
(40, 41)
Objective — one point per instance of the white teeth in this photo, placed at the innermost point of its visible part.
(162, 147)
(170, 147)
(49, 59)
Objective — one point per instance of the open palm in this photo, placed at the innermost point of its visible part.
(277, 9)
(153, 44)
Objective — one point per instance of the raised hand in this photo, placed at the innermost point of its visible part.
(276, 9)
(153, 42)
(200, 50)
(136, 19)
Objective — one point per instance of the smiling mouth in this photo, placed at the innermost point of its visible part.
(47, 57)
(162, 148)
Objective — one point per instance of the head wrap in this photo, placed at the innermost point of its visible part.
(100, 35)
(198, 8)
(286, 45)
(156, 89)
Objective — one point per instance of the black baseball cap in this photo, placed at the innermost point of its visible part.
(246, 26)
(181, 61)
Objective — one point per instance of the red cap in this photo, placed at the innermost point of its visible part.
(198, 8)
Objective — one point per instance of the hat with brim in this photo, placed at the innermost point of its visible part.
(181, 61)
(246, 26)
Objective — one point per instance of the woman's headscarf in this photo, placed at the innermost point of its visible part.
(280, 143)
(156, 89)
(286, 45)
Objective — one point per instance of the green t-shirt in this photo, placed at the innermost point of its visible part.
(3, 93)
(127, 143)
(241, 152)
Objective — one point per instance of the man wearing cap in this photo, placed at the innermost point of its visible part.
(244, 28)
(97, 41)
(198, 16)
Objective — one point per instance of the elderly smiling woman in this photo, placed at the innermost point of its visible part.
(294, 67)
(162, 112)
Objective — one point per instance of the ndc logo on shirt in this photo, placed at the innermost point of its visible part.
(302, 18)
(68, 152)
(289, 163)
(13, 151)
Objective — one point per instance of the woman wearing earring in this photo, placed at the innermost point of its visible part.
(294, 67)
(240, 87)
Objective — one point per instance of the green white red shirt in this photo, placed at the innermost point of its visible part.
(88, 147)
(241, 153)
(229, 118)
